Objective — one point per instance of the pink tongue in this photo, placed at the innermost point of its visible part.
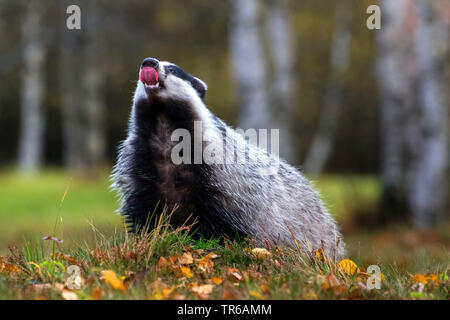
(149, 76)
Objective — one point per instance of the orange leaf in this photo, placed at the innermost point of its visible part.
(216, 280)
(205, 264)
(425, 278)
(320, 255)
(110, 278)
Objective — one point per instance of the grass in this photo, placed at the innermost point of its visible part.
(169, 264)
(30, 206)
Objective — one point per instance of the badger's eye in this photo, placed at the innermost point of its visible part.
(171, 70)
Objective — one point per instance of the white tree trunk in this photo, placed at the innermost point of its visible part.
(31, 141)
(71, 95)
(394, 62)
(248, 65)
(428, 171)
(414, 154)
(93, 103)
(281, 80)
(340, 57)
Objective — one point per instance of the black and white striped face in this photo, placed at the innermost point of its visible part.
(172, 82)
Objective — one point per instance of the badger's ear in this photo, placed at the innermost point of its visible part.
(201, 88)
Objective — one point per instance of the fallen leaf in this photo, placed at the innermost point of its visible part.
(186, 272)
(216, 280)
(110, 278)
(234, 274)
(186, 258)
(162, 262)
(320, 255)
(348, 267)
(426, 278)
(332, 283)
(69, 295)
(202, 291)
(97, 294)
(10, 268)
(205, 264)
(256, 294)
(261, 253)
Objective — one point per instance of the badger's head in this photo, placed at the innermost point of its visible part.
(161, 79)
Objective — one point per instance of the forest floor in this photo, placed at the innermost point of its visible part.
(169, 264)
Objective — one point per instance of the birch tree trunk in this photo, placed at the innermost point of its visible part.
(340, 57)
(93, 107)
(71, 95)
(31, 141)
(428, 170)
(248, 65)
(413, 121)
(282, 80)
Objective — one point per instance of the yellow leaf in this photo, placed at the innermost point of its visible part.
(261, 253)
(256, 294)
(216, 280)
(186, 272)
(348, 266)
(110, 278)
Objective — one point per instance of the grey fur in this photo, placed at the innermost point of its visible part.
(280, 208)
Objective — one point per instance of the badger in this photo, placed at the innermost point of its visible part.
(251, 192)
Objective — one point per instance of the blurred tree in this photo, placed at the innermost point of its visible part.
(70, 64)
(413, 125)
(31, 141)
(281, 80)
(93, 106)
(321, 145)
(81, 79)
(248, 64)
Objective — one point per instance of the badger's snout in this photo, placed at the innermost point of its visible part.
(149, 74)
(150, 62)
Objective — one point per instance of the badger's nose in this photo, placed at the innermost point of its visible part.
(150, 62)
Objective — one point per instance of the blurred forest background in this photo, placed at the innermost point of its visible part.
(364, 113)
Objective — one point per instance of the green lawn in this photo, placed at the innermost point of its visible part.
(31, 206)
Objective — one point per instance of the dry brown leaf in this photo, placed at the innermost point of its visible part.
(234, 274)
(202, 291)
(332, 283)
(205, 264)
(186, 258)
(162, 262)
(97, 294)
(69, 295)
